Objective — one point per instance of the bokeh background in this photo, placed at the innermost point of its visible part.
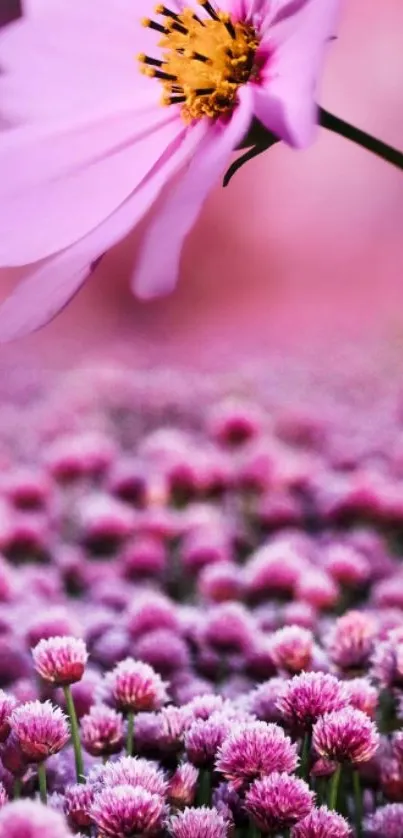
(303, 253)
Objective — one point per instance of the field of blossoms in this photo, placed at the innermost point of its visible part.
(201, 611)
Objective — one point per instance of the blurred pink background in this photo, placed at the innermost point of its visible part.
(302, 251)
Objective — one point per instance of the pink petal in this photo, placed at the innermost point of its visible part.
(158, 265)
(60, 183)
(298, 34)
(51, 285)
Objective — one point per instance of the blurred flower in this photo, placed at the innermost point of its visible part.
(386, 822)
(183, 786)
(29, 819)
(7, 705)
(351, 641)
(278, 802)
(362, 695)
(292, 648)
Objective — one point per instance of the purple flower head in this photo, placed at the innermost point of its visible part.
(7, 704)
(29, 819)
(254, 750)
(220, 582)
(198, 823)
(135, 771)
(387, 660)
(387, 593)
(41, 729)
(164, 650)
(309, 696)
(278, 802)
(103, 520)
(203, 706)
(126, 811)
(345, 736)
(273, 569)
(54, 622)
(229, 627)
(386, 822)
(263, 701)
(151, 611)
(318, 589)
(322, 823)
(205, 737)
(60, 660)
(135, 686)
(299, 614)
(204, 546)
(113, 645)
(351, 641)
(82, 455)
(347, 566)
(259, 659)
(78, 800)
(143, 557)
(84, 691)
(183, 786)
(390, 769)
(173, 724)
(292, 648)
(12, 757)
(102, 731)
(233, 422)
(362, 695)
(27, 489)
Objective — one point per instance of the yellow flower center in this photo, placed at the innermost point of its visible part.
(204, 61)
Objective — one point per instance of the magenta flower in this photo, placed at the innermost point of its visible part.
(183, 786)
(309, 696)
(60, 660)
(3, 795)
(278, 802)
(345, 736)
(149, 612)
(264, 701)
(198, 823)
(7, 704)
(362, 695)
(351, 642)
(94, 146)
(134, 771)
(135, 686)
(253, 750)
(102, 731)
(173, 723)
(41, 730)
(386, 822)
(28, 819)
(203, 706)
(205, 737)
(127, 811)
(387, 660)
(322, 823)
(292, 648)
(164, 650)
(78, 800)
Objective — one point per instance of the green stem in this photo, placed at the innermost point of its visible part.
(253, 831)
(358, 803)
(334, 788)
(17, 788)
(75, 734)
(42, 782)
(204, 788)
(305, 756)
(361, 138)
(130, 734)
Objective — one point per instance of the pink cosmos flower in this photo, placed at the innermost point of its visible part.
(60, 660)
(92, 146)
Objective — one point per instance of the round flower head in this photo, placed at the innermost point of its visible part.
(173, 723)
(198, 823)
(203, 706)
(309, 696)
(233, 422)
(41, 730)
(263, 702)
(322, 823)
(278, 802)
(135, 686)
(387, 660)
(127, 811)
(60, 660)
(134, 771)
(351, 642)
(254, 750)
(29, 819)
(318, 589)
(347, 566)
(150, 612)
(7, 705)
(273, 569)
(102, 731)
(220, 582)
(292, 648)
(204, 738)
(183, 786)
(386, 822)
(78, 800)
(229, 628)
(345, 736)
(164, 650)
(362, 695)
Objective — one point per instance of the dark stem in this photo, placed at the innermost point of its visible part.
(358, 803)
(17, 788)
(204, 788)
(361, 138)
(130, 734)
(75, 734)
(42, 782)
(253, 831)
(305, 756)
(334, 788)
